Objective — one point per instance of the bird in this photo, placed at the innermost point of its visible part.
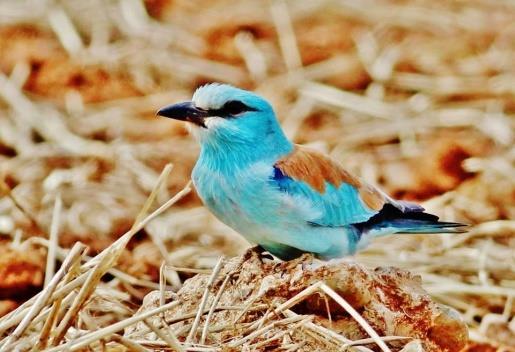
(286, 198)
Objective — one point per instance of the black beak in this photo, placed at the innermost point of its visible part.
(186, 111)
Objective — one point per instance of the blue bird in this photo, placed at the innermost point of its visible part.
(285, 197)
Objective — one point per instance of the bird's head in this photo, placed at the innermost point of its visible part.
(223, 116)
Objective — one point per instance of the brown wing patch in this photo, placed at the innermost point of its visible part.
(314, 168)
(373, 199)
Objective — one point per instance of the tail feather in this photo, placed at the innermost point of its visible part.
(421, 226)
(393, 220)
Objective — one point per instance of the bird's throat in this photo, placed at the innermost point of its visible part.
(233, 157)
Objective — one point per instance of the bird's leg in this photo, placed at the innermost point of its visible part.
(262, 252)
(258, 251)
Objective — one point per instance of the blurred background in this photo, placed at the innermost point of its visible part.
(415, 96)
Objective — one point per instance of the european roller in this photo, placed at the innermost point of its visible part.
(287, 198)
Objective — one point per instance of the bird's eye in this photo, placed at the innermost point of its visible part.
(235, 107)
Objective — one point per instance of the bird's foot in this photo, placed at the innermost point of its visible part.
(256, 251)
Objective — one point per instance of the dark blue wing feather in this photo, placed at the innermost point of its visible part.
(338, 206)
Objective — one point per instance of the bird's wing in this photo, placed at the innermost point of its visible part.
(340, 197)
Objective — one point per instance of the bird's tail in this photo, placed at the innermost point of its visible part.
(410, 220)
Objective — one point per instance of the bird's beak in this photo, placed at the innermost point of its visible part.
(186, 111)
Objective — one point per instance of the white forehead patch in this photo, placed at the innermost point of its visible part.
(208, 97)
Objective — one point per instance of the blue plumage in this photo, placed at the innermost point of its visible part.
(287, 198)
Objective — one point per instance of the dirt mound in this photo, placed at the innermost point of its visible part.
(263, 304)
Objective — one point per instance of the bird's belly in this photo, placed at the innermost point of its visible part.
(253, 218)
(247, 202)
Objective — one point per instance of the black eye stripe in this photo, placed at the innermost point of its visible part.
(231, 109)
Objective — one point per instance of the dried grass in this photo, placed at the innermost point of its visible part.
(415, 96)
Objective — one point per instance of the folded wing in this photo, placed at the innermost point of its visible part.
(341, 197)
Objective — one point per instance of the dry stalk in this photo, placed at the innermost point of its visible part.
(123, 240)
(187, 316)
(189, 270)
(280, 334)
(348, 100)
(162, 283)
(51, 319)
(122, 276)
(288, 304)
(103, 262)
(85, 340)
(92, 280)
(131, 345)
(329, 335)
(169, 338)
(248, 307)
(53, 241)
(371, 340)
(6, 190)
(287, 41)
(349, 309)
(204, 299)
(263, 330)
(44, 297)
(212, 309)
